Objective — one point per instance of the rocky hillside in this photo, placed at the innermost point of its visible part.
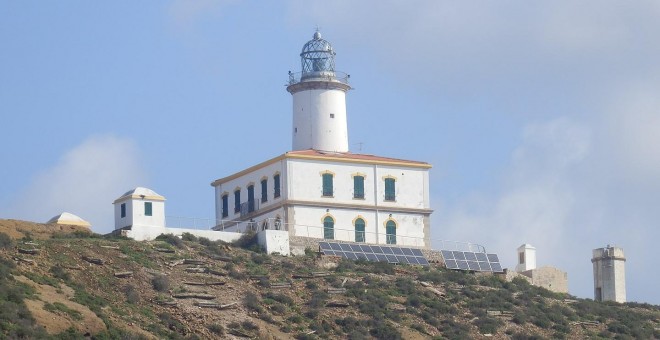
(68, 283)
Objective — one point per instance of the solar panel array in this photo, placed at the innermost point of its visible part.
(374, 253)
(473, 261)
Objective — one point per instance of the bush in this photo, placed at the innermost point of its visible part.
(188, 237)
(60, 273)
(161, 283)
(171, 239)
(132, 296)
(216, 329)
(248, 241)
(5, 241)
(252, 302)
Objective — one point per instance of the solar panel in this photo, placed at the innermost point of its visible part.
(470, 256)
(472, 261)
(451, 264)
(374, 253)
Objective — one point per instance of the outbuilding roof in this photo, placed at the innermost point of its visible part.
(142, 193)
(69, 219)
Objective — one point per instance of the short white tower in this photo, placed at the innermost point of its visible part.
(319, 100)
(526, 258)
(609, 274)
(139, 207)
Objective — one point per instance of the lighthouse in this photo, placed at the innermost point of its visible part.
(319, 100)
(319, 190)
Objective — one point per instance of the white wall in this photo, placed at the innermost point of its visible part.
(143, 233)
(242, 182)
(313, 128)
(309, 223)
(274, 241)
(411, 184)
(135, 213)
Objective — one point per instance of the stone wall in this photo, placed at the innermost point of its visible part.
(550, 278)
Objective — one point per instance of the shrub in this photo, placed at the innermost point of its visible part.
(281, 298)
(60, 273)
(252, 302)
(488, 325)
(248, 241)
(5, 241)
(249, 325)
(171, 239)
(160, 283)
(188, 237)
(58, 306)
(132, 296)
(216, 329)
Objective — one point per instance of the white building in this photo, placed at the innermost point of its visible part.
(140, 207)
(526, 258)
(66, 218)
(609, 274)
(548, 277)
(320, 189)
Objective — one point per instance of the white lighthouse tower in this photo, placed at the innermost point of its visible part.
(319, 100)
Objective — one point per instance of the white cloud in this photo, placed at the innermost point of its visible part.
(84, 182)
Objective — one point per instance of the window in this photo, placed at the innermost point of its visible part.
(123, 210)
(359, 230)
(147, 209)
(390, 189)
(237, 201)
(358, 186)
(332, 115)
(225, 205)
(390, 232)
(276, 180)
(328, 228)
(264, 190)
(250, 189)
(521, 258)
(327, 184)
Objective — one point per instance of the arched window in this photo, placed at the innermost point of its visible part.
(328, 228)
(390, 231)
(359, 230)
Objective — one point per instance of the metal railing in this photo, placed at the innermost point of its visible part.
(337, 76)
(249, 207)
(319, 232)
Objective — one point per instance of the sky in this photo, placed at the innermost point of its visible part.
(541, 119)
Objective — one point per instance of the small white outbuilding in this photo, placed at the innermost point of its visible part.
(140, 207)
(66, 218)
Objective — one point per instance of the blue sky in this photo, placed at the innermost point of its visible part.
(542, 120)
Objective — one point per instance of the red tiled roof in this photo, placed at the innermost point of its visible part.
(349, 155)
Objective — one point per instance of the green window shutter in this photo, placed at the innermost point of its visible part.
(358, 187)
(237, 201)
(327, 185)
(390, 192)
(264, 190)
(328, 228)
(148, 209)
(251, 205)
(390, 231)
(359, 230)
(225, 206)
(276, 180)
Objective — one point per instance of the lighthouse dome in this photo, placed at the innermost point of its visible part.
(317, 58)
